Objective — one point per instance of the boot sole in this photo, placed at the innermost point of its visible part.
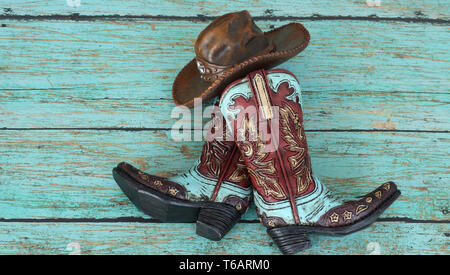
(213, 219)
(294, 238)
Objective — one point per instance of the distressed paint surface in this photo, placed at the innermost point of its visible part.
(113, 59)
(121, 74)
(438, 9)
(376, 96)
(343, 110)
(67, 174)
(151, 238)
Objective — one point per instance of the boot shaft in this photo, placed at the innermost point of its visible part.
(264, 113)
(265, 116)
(222, 160)
(220, 173)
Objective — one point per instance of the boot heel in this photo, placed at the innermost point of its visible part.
(290, 239)
(214, 223)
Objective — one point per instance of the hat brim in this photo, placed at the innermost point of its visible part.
(289, 41)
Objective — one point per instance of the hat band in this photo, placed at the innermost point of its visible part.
(210, 72)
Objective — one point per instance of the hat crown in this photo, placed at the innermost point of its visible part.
(230, 39)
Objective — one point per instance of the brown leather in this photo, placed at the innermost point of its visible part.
(271, 221)
(354, 211)
(284, 173)
(228, 40)
(241, 204)
(160, 184)
(219, 160)
(231, 47)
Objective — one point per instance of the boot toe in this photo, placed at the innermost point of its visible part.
(157, 183)
(366, 209)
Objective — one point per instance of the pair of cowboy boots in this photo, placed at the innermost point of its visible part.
(215, 192)
(268, 158)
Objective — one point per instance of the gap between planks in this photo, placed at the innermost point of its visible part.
(135, 129)
(151, 220)
(203, 18)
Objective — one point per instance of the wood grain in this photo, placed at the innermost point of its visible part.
(350, 110)
(376, 100)
(136, 238)
(67, 174)
(140, 59)
(120, 74)
(305, 8)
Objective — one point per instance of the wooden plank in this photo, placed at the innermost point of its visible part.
(372, 72)
(136, 238)
(67, 174)
(117, 59)
(322, 111)
(304, 8)
(113, 75)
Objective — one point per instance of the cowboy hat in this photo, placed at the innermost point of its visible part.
(231, 47)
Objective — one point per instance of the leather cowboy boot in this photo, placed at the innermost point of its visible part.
(289, 201)
(215, 192)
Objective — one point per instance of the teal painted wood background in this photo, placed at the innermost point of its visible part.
(84, 87)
